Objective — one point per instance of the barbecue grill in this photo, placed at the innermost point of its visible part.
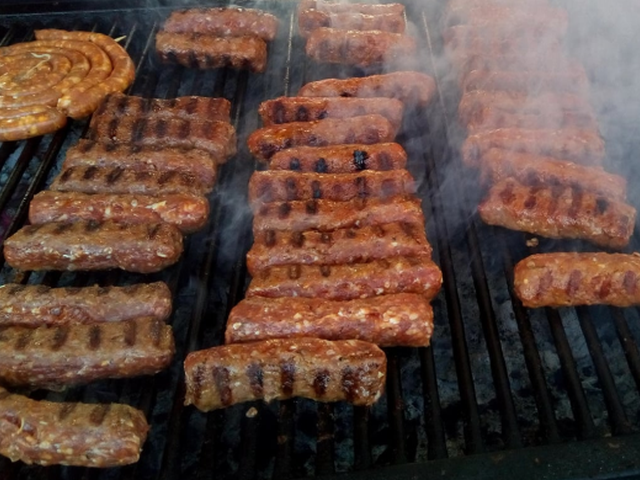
(502, 390)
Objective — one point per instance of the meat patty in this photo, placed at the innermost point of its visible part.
(50, 357)
(559, 211)
(78, 434)
(569, 279)
(322, 370)
(88, 245)
(36, 305)
(403, 319)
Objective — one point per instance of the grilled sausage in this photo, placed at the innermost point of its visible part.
(304, 109)
(188, 213)
(341, 158)
(492, 117)
(94, 246)
(192, 161)
(358, 48)
(118, 104)
(497, 164)
(585, 147)
(78, 434)
(348, 282)
(275, 186)
(50, 357)
(311, 19)
(322, 370)
(217, 138)
(194, 50)
(223, 22)
(545, 105)
(570, 279)
(78, 103)
(573, 81)
(36, 305)
(339, 7)
(30, 121)
(348, 245)
(496, 16)
(265, 142)
(404, 319)
(559, 212)
(408, 87)
(119, 181)
(329, 215)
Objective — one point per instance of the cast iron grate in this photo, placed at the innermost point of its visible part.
(552, 392)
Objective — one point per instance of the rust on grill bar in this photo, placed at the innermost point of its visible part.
(530, 387)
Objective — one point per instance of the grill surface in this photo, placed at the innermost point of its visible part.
(547, 393)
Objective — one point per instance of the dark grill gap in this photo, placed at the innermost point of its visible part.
(497, 378)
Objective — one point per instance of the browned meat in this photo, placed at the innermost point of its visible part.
(348, 282)
(341, 7)
(188, 213)
(265, 142)
(330, 215)
(304, 109)
(559, 212)
(310, 19)
(358, 48)
(50, 357)
(217, 138)
(192, 161)
(491, 118)
(195, 50)
(341, 158)
(401, 320)
(497, 164)
(322, 370)
(275, 186)
(553, 106)
(94, 246)
(119, 181)
(348, 245)
(36, 305)
(585, 147)
(79, 434)
(569, 279)
(117, 105)
(223, 22)
(408, 87)
(573, 81)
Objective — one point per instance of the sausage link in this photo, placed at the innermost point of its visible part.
(571, 279)
(265, 142)
(78, 434)
(403, 319)
(311, 19)
(322, 370)
(36, 305)
(30, 121)
(339, 7)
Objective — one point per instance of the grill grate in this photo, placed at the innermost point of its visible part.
(563, 384)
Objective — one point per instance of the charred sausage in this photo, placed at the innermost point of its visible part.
(322, 370)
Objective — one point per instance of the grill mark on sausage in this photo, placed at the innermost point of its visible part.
(291, 188)
(321, 166)
(223, 384)
(363, 188)
(601, 205)
(59, 338)
(166, 177)
(574, 282)
(256, 378)
(92, 226)
(90, 172)
(378, 231)
(270, 238)
(297, 239)
(545, 282)
(279, 112)
(311, 207)
(185, 129)
(385, 161)
(66, 175)
(349, 383)
(283, 210)
(287, 377)
(137, 133)
(99, 413)
(507, 195)
(112, 128)
(408, 229)
(315, 189)
(629, 282)
(130, 333)
(576, 202)
(294, 272)
(325, 270)
(66, 409)
(198, 381)
(351, 233)
(95, 337)
(294, 164)
(321, 382)
(192, 105)
(153, 231)
(156, 332)
(302, 114)
(63, 227)
(360, 159)
(24, 339)
(605, 288)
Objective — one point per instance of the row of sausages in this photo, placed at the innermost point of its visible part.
(340, 260)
